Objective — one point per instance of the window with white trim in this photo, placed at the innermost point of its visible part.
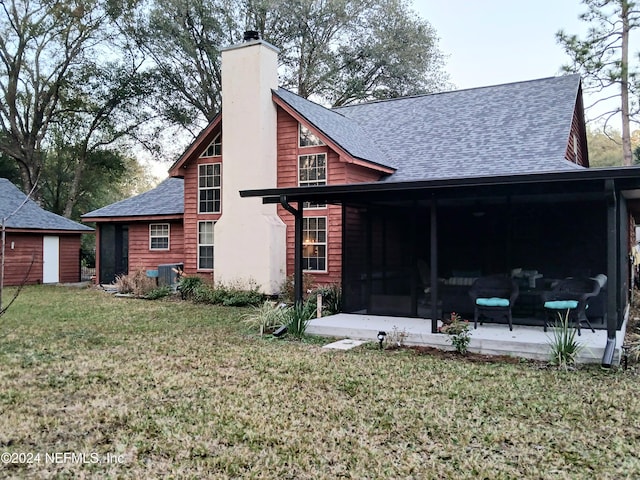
(205, 245)
(214, 149)
(312, 170)
(159, 236)
(314, 244)
(209, 190)
(306, 138)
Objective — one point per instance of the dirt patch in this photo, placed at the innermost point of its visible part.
(467, 357)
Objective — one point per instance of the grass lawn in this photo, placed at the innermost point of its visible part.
(162, 388)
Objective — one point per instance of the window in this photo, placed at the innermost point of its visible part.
(314, 243)
(214, 149)
(312, 170)
(159, 236)
(205, 245)
(209, 188)
(306, 138)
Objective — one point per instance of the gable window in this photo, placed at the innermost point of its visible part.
(159, 236)
(214, 149)
(314, 244)
(306, 138)
(209, 188)
(205, 245)
(312, 170)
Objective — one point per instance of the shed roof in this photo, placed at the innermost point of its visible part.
(25, 214)
(166, 199)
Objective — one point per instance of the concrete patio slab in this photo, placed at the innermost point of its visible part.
(345, 344)
(489, 339)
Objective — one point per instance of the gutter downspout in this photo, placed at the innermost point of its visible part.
(612, 274)
(297, 262)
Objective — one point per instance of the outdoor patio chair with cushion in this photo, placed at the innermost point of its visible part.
(493, 298)
(571, 295)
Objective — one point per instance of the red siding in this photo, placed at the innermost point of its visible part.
(577, 143)
(69, 258)
(26, 247)
(338, 172)
(191, 215)
(140, 256)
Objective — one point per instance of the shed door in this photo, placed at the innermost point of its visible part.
(50, 259)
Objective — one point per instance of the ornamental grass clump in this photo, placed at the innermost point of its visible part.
(459, 334)
(298, 318)
(564, 346)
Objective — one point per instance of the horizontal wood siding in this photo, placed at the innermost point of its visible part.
(191, 215)
(338, 172)
(69, 258)
(141, 257)
(576, 144)
(18, 259)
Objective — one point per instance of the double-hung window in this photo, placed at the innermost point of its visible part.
(205, 245)
(312, 170)
(314, 243)
(209, 188)
(159, 236)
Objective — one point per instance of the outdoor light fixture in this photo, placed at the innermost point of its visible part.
(381, 336)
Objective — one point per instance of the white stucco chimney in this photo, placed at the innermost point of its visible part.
(249, 238)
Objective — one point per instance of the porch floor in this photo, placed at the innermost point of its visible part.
(488, 339)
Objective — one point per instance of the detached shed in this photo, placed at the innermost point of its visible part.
(40, 246)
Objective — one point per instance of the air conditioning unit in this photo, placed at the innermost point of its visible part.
(168, 275)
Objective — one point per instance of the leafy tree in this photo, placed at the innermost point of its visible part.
(603, 59)
(60, 64)
(338, 51)
(605, 150)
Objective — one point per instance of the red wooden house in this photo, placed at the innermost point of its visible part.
(300, 143)
(465, 183)
(40, 246)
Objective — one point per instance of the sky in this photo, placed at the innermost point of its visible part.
(489, 42)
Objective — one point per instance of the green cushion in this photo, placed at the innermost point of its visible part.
(561, 304)
(492, 302)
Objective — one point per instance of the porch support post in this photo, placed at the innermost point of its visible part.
(297, 261)
(612, 273)
(434, 266)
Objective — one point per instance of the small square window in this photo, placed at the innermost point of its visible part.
(159, 236)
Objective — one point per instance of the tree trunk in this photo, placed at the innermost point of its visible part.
(624, 86)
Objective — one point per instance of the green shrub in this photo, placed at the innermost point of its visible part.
(331, 298)
(233, 295)
(159, 292)
(286, 289)
(188, 285)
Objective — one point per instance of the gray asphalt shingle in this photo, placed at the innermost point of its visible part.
(166, 199)
(31, 216)
(505, 129)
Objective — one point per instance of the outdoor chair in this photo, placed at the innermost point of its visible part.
(493, 298)
(571, 296)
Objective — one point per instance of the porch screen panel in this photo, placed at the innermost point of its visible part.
(354, 264)
(393, 266)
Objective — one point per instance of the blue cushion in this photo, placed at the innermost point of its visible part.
(561, 304)
(492, 302)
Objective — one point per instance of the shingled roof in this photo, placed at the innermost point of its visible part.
(166, 199)
(31, 216)
(514, 128)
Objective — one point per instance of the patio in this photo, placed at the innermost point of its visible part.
(489, 339)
